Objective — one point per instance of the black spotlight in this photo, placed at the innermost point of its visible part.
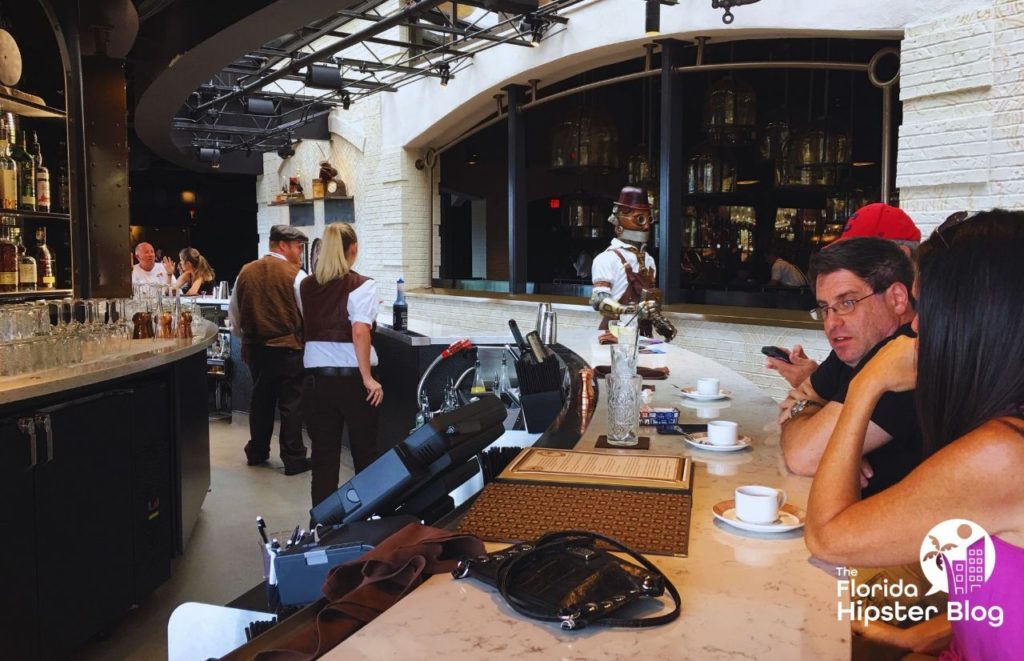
(346, 100)
(286, 150)
(210, 155)
(445, 72)
(324, 76)
(535, 26)
(257, 106)
(652, 18)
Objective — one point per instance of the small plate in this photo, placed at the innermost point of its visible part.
(691, 392)
(700, 441)
(791, 517)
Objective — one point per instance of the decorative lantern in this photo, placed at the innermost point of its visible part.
(819, 155)
(730, 111)
(588, 141)
(711, 170)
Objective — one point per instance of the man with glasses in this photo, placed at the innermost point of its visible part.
(878, 220)
(863, 288)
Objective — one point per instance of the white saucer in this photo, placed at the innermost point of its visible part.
(691, 392)
(791, 517)
(700, 441)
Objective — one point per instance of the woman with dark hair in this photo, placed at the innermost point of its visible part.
(968, 369)
(196, 272)
(339, 310)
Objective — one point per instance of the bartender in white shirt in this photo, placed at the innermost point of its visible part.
(148, 271)
(339, 309)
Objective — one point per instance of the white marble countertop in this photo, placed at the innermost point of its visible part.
(140, 355)
(745, 595)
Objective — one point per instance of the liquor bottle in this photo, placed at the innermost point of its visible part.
(27, 275)
(504, 384)
(46, 267)
(60, 202)
(42, 176)
(400, 309)
(8, 170)
(26, 168)
(479, 387)
(8, 261)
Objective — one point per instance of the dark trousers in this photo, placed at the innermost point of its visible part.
(331, 403)
(277, 383)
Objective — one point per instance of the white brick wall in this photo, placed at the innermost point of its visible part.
(961, 144)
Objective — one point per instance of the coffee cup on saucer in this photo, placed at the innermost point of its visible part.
(707, 387)
(723, 432)
(759, 504)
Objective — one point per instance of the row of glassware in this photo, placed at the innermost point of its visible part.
(48, 334)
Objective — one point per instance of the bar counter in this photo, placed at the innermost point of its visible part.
(745, 595)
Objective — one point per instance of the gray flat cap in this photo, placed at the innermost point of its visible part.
(287, 233)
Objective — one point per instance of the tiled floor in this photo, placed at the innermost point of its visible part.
(221, 559)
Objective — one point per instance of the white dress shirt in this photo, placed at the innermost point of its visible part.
(608, 268)
(362, 307)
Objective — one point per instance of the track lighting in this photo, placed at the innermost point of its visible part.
(445, 71)
(652, 18)
(210, 155)
(535, 26)
(324, 76)
(346, 100)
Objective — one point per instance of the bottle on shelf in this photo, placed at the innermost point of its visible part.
(8, 169)
(400, 309)
(59, 196)
(504, 384)
(42, 176)
(479, 386)
(8, 261)
(26, 166)
(46, 267)
(27, 274)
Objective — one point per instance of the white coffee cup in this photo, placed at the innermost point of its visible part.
(722, 432)
(707, 386)
(758, 504)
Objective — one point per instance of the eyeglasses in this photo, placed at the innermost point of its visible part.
(952, 221)
(841, 308)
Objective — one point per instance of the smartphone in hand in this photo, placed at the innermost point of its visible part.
(776, 353)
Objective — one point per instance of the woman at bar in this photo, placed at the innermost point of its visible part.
(968, 368)
(339, 310)
(196, 273)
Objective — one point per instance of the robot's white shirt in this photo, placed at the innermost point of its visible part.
(608, 268)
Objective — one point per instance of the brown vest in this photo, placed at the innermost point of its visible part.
(325, 307)
(265, 292)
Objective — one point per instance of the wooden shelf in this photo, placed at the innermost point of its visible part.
(37, 293)
(35, 215)
(26, 105)
(308, 200)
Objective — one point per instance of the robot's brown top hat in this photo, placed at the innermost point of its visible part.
(633, 198)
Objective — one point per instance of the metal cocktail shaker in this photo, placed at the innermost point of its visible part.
(547, 324)
(222, 290)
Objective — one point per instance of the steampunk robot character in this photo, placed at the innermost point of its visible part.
(624, 274)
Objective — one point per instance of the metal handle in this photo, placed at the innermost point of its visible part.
(27, 426)
(44, 421)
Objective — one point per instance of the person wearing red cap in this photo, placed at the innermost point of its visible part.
(884, 221)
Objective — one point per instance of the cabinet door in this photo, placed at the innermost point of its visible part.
(18, 598)
(83, 515)
(152, 509)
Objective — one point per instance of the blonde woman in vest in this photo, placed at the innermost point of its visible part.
(339, 309)
(196, 272)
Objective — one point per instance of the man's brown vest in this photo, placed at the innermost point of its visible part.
(269, 315)
(325, 307)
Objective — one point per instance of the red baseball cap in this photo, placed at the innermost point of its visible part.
(882, 221)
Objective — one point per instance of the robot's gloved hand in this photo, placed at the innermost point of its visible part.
(650, 311)
(603, 302)
(663, 326)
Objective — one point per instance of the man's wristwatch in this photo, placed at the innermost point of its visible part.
(799, 407)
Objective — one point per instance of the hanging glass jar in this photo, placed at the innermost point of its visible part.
(730, 111)
(711, 170)
(584, 215)
(588, 141)
(819, 155)
(639, 169)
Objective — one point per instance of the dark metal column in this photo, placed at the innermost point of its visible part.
(670, 171)
(517, 240)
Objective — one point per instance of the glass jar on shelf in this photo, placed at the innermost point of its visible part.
(589, 140)
(730, 111)
(712, 169)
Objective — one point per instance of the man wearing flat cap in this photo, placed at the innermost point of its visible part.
(264, 314)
